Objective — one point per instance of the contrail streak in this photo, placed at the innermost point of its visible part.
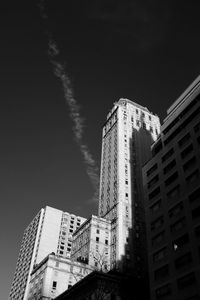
(74, 108)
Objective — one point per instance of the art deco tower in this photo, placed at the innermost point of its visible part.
(126, 145)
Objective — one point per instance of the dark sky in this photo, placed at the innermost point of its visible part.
(147, 51)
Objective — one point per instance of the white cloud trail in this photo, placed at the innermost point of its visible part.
(74, 108)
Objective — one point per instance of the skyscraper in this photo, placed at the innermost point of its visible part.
(126, 142)
(172, 202)
(50, 231)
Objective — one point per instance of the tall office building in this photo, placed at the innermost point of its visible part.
(172, 202)
(127, 135)
(50, 231)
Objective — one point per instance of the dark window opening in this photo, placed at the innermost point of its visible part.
(54, 285)
(195, 195)
(161, 272)
(184, 140)
(174, 191)
(183, 260)
(168, 155)
(187, 151)
(178, 225)
(176, 210)
(186, 281)
(153, 181)
(163, 291)
(171, 179)
(155, 207)
(152, 169)
(197, 231)
(158, 238)
(180, 242)
(169, 167)
(157, 223)
(189, 164)
(154, 193)
(159, 255)
(196, 213)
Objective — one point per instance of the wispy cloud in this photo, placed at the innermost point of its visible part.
(74, 108)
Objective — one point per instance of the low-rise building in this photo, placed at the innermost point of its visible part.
(54, 275)
(91, 243)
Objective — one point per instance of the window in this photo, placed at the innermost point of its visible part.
(97, 230)
(54, 284)
(184, 140)
(186, 281)
(170, 166)
(197, 231)
(155, 207)
(168, 155)
(154, 193)
(187, 151)
(163, 291)
(106, 242)
(197, 127)
(189, 164)
(173, 192)
(159, 255)
(195, 195)
(183, 260)
(157, 223)
(192, 177)
(152, 169)
(194, 297)
(196, 213)
(161, 272)
(158, 146)
(158, 238)
(181, 127)
(178, 225)
(171, 179)
(61, 252)
(97, 239)
(152, 181)
(180, 242)
(71, 230)
(176, 210)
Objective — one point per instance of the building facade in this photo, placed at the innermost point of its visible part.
(50, 231)
(54, 275)
(126, 139)
(172, 202)
(92, 242)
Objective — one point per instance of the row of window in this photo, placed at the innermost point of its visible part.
(182, 283)
(185, 139)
